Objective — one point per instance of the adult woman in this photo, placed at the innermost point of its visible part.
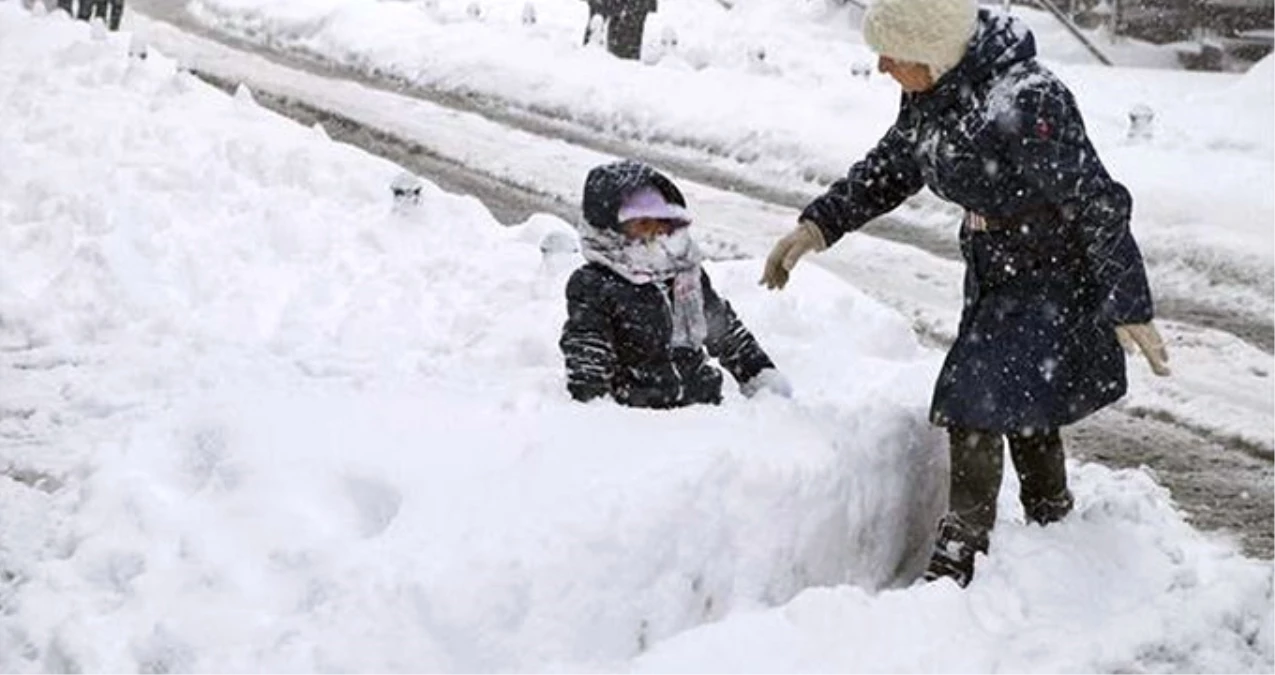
(1054, 279)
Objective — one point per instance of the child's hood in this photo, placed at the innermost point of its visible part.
(606, 187)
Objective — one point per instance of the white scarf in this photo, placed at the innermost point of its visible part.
(674, 256)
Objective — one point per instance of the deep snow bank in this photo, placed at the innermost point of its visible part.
(257, 421)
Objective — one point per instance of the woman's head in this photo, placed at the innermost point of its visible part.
(918, 41)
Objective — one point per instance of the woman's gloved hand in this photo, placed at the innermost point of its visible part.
(1145, 338)
(788, 250)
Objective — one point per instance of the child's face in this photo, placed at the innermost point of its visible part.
(647, 229)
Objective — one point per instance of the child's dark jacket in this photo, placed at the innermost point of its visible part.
(617, 341)
(618, 337)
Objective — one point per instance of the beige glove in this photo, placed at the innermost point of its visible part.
(788, 250)
(1144, 337)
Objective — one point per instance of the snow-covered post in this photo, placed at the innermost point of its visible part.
(1141, 118)
(597, 31)
(558, 241)
(559, 253)
(1108, 19)
(758, 61)
(137, 48)
(406, 191)
(666, 44)
(668, 39)
(243, 94)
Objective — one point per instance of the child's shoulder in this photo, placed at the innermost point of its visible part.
(591, 277)
(590, 273)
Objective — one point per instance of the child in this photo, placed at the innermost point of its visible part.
(641, 311)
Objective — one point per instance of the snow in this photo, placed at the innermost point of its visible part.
(257, 418)
(795, 121)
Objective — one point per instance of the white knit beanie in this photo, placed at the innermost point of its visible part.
(933, 32)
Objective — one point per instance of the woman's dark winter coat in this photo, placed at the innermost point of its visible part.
(1051, 264)
(618, 334)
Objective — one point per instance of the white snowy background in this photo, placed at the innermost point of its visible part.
(255, 419)
(1204, 210)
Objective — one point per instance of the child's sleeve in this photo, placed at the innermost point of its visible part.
(586, 339)
(729, 341)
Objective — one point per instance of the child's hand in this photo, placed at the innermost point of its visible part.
(770, 380)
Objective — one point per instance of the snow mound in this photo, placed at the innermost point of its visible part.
(258, 417)
(270, 419)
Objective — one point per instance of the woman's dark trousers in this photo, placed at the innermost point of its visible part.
(977, 465)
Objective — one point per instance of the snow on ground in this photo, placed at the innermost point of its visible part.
(255, 419)
(801, 116)
(264, 405)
